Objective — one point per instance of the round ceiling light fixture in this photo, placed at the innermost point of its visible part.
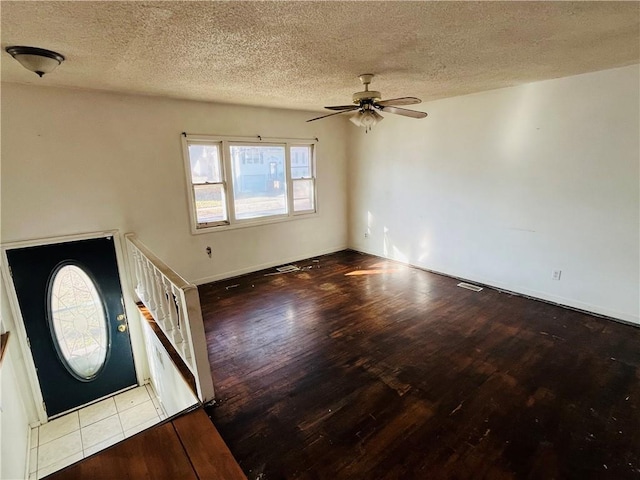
(37, 60)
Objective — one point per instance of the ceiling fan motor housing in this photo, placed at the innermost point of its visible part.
(368, 96)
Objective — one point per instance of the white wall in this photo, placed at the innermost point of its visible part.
(173, 391)
(16, 407)
(77, 161)
(502, 187)
(14, 425)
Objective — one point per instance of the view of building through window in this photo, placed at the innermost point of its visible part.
(239, 181)
(259, 181)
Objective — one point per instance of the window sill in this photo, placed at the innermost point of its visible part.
(256, 223)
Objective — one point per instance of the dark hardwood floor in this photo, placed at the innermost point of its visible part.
(361, 368)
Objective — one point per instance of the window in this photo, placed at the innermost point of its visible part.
(302, 178)
(78, 321)
(259, 187)
(205, 164)
(235, 181)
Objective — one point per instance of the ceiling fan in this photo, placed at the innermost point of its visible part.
(367, 102)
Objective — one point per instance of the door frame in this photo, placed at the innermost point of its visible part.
(130, 308)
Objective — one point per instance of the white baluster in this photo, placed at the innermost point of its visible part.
(148, 275)
(137, 262)
(178, 338)
(145, 281)
(172, 318)
(163, 300)
(186, 352)
(157, 290)
(177, 333)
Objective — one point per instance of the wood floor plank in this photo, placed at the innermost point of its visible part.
(154, 454)
(357, 367)
(209, 455)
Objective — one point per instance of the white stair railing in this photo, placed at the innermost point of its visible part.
(174, 304)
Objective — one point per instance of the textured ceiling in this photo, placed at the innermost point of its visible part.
(304, 55)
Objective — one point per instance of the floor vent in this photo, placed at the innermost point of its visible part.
(287, 268)
(468, 286)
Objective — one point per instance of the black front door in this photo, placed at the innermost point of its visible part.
(71, 303)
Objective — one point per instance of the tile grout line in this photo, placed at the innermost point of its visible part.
(40, 443)
(114, 404)
(83, 449)
(38, 468)
(106, 439)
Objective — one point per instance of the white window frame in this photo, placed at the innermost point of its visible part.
(227, 171)
(293, 180)
(192, 193)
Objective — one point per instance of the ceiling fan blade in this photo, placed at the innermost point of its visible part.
(402, 111)
(336, 113)
(399, 101)
(343, 107)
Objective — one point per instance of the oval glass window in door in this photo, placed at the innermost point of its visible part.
(78, 322)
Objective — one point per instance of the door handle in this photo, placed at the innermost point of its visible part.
(122, 328)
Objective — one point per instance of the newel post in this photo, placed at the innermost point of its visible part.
(198, 340)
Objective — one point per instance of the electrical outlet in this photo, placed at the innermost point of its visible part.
(366, 234)
(555, 274)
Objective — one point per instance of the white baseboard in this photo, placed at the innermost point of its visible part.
(536, 294)
(572, 303)
(273, 263)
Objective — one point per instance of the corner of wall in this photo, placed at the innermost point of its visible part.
(15, 399)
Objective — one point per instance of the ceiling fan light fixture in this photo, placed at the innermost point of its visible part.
(37, 60)
(356, 119)
(377, 116)
(366, 118)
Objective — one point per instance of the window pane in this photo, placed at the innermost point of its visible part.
(302, 195)
(259, 182)
(210, 203)
(79, 322)
(301, 162)
(205, 163)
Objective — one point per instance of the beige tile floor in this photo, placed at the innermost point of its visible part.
(77, 435)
